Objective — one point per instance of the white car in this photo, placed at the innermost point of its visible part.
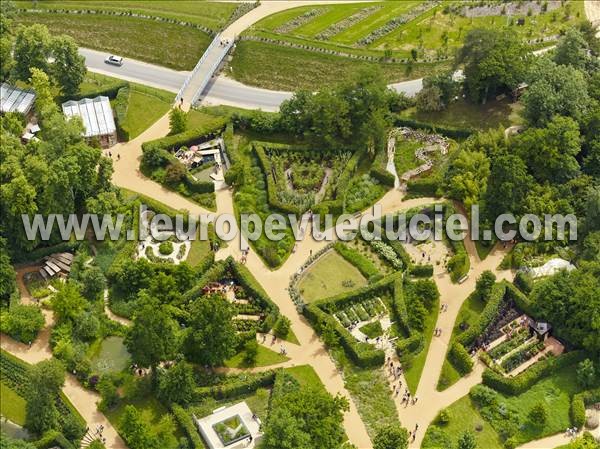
(114, 60)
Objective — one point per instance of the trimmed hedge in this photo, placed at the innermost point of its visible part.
(427, 186)
(448, 131)
(265, 165)
(184, 420)
(524, 381)
(237, 388)
(53, 439)
(362, 354)
(364, 264)
(111, 91)
(40, 253)
(188, 137)
(424, 271)
(460, 358)
(578, 404)
(489, 313)
(413, 344)
(400, 314)
(382, 175)
(341, 301)
(121, 104)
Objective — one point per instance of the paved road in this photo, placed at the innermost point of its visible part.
(221, 90)
(136, 71)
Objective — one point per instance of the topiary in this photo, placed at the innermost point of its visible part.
(165, 248)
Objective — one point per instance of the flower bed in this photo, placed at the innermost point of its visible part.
(300, 20)
(505, 347)
(342, 25)
(396, 22)
(521, 356)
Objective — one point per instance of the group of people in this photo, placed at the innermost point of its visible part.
(118, 155)
(437, 332)
(244, 257)
(572, 432)
(444, 307)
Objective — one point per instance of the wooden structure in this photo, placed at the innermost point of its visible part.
(56, 265)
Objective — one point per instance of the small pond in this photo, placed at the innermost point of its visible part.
(112, 357)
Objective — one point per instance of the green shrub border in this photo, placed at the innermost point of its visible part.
(362, 263)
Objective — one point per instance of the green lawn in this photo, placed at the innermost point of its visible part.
(276, 67)
(463, 416)
(306, 376)
(12, 406)
(165, 44)
(404, 157)
(372, 330)
(370, 391)
(435, 34)
(257, 401)
(265, 357)
(463, 114)
(212, 15)
(144, 109)
(414, 371)
(554, 391)
(198, 252)
(468, 313)
(329, 275)
(150, 407)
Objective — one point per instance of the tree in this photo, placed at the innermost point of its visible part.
(429, 99)
(108, 392)
(175, 172)
(466, 441)
(392, 436)
(284, 431)
(178, 119)
(45, 382)
(136, 430)
(176, 384)
(8, 282)
(68, 304)
(586, 374)
(250, 352)
(495, 62)
(444, 81)
(31, 50)
(591, 247)
(152, 337)
(23, 322)
(68, 68)
(87, 327)
(538, 414)
(211, 338)
(44, 101)
(572, 49)
(507, 187)
(93, 283)
(550, 152)
(282, 326)
(484, 284)
(554, 90)
(467, 176)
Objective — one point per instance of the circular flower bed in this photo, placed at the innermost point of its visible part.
(165, 248)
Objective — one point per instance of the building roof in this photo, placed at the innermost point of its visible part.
(240, 410)
(96, 114)
(13, 99)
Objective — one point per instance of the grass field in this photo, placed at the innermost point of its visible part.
(306, 376)
(328, 276)
(165, 44)
(468, 313)
(462, 114)
(413, 373)
(276, 67)
(434, 34)
(463, 416)
(213, 15)
(265, 357)
(12, 406)
(370, 391)
(554, 391)
(404, 157)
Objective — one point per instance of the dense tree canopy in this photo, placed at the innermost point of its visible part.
(45, 382)
(495, 62)
(211, 337)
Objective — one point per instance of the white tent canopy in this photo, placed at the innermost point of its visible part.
(96, 114)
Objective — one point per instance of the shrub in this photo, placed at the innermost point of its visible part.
(364, 264)
(421, 270)
(460, 358)
(538, 415)
(282, 326)
(165, 248)
(443, 417)
(427, 186)
(578, 404)
(250, 352)
(234, 389)
(483, 396)
(524, 282)
(22, 322)
(458, 266)
(120, 105)
(184, 419)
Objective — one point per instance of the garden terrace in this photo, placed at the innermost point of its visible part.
(397, 36)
